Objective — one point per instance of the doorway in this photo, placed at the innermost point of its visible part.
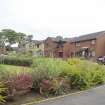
(61, 54)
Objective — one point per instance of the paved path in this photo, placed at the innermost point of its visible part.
(91, 97)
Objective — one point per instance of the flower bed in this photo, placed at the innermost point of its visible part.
(53, 77)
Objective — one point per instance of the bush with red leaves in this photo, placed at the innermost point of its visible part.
(18, 84)
(23, 82)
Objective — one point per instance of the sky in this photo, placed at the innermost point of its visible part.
(50, 18)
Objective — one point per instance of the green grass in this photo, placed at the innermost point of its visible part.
(7, 71)
(12, 67)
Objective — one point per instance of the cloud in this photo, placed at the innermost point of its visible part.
(53, 17)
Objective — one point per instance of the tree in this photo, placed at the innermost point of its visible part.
(29, 38)
(11, 35)
(21, 37)
(2, 41)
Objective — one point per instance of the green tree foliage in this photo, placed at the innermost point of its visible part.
(21, 37)
(12, 36)
(29, 38)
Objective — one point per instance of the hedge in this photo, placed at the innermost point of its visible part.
(16, 61)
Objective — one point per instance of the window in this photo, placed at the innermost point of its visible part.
(37, 45)
(93, 42)
(77, 44)
(60, 54)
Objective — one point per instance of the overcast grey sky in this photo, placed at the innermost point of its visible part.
(44, 18)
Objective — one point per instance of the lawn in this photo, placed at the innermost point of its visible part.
(10, 70)
(14, 68)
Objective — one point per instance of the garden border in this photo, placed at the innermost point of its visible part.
(62, 96)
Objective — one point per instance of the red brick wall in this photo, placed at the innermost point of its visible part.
(67, 49)
(100, 49)
(50, 48)
(87, 43)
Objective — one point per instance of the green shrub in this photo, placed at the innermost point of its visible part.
(17, 61)
(55, 86)
(82, 74)
(74, 61)
(45, 68)
(85, 74)
(2, 90)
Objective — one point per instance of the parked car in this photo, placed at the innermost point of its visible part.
(101, 59)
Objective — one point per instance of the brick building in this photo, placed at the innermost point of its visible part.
(55, 47)
(89, 46)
